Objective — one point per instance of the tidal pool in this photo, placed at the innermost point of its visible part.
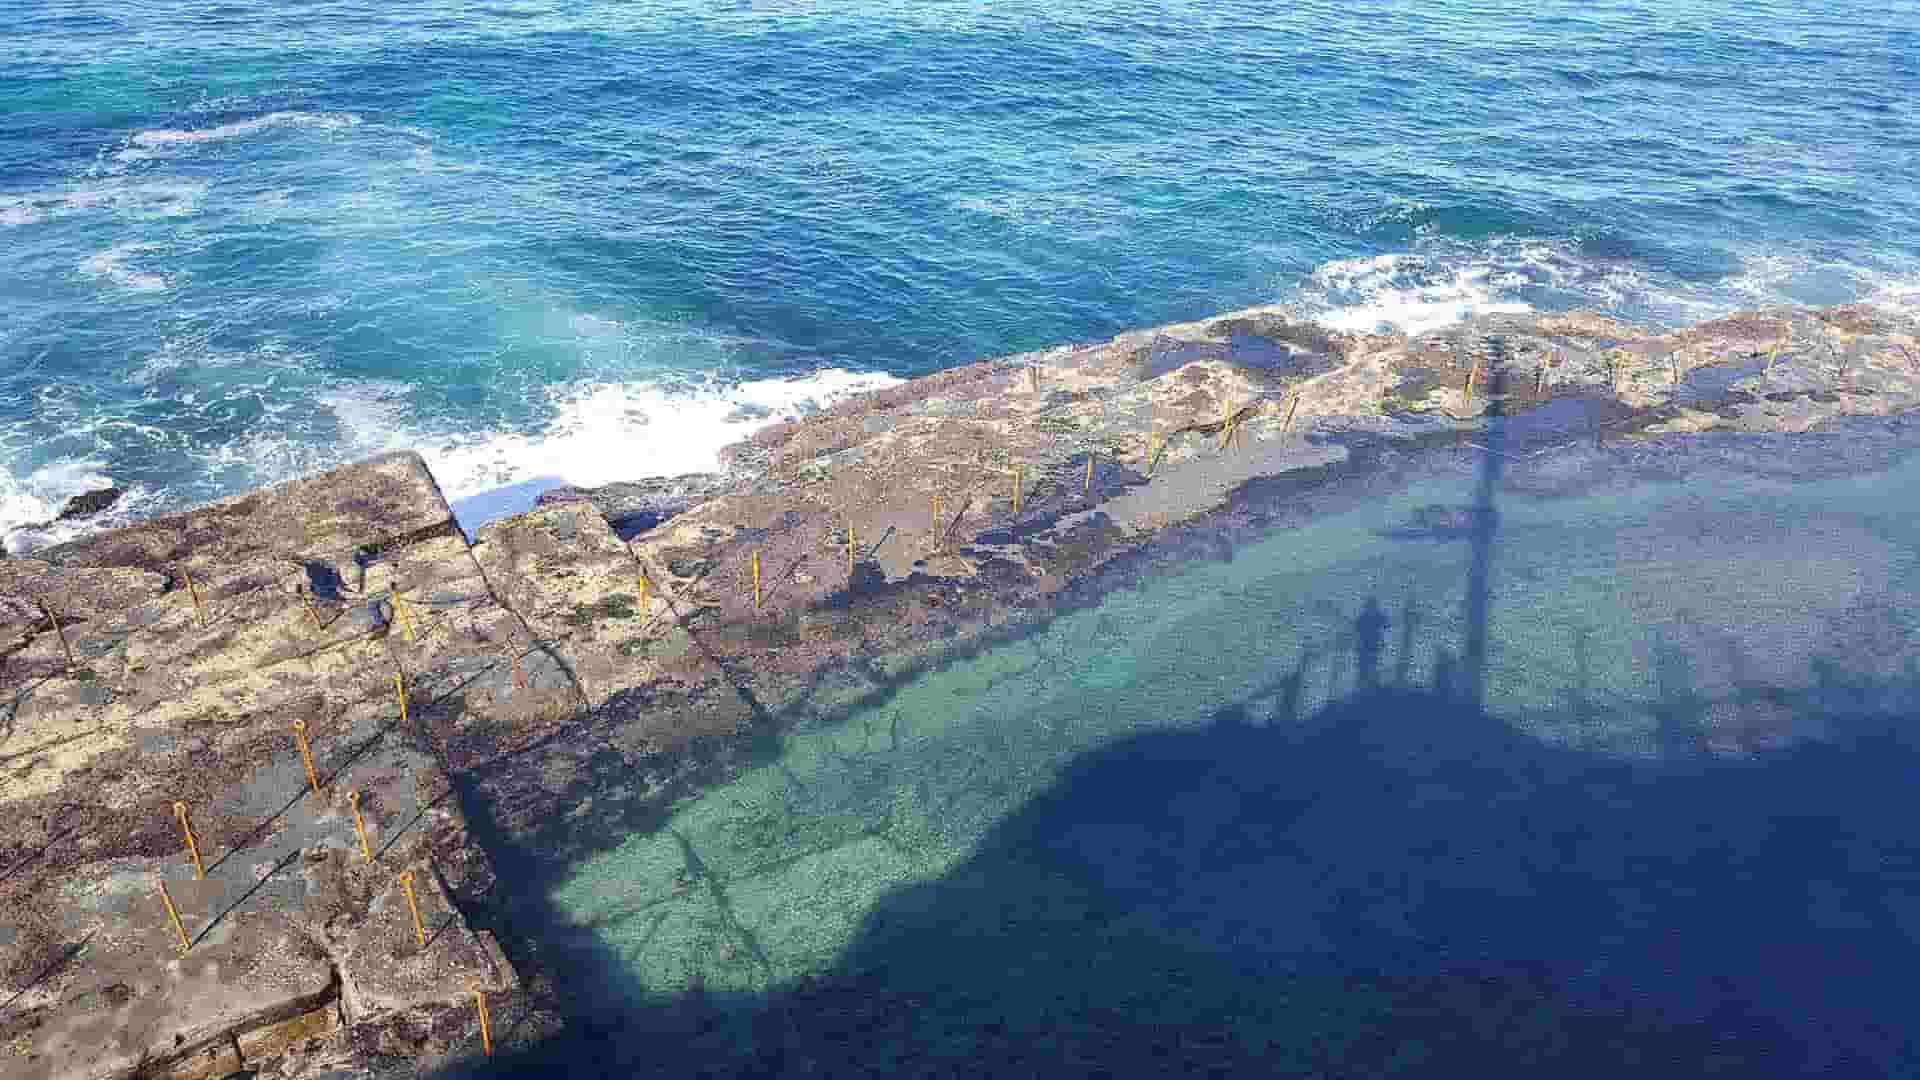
(1273, 809)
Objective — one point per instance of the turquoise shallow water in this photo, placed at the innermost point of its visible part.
(1232, 807)
(589, 241)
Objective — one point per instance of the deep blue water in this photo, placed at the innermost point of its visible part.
(548, 241)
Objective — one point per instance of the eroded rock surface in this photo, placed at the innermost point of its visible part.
(580, 667)
(161, 672)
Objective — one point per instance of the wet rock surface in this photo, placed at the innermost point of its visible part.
(89, 503)
(560, 682)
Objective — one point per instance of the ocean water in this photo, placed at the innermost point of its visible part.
(579, 242)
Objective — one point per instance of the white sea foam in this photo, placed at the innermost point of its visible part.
(111, 265)
(626, 431)
(154, 142)
(118, 195)
(20, 506)
(1899, 294)
(29, 504)
(1405, 292)
(599, 433)
(1443, 281)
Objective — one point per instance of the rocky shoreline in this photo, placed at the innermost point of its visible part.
(514, 703)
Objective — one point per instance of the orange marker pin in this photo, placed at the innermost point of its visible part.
(359, 823)
(193, 849)
(486, 1028)
(306, 752)
(419, 928)
(65, 645)
(313, 613)
(199, 611)
(173, 913)
(406, 620)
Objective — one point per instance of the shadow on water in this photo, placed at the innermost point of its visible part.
(1399, 883)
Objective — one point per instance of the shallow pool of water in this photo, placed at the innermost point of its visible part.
(1255, 799)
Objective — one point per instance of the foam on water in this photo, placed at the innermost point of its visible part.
(119, 195)
(111, 264)
(1443, 281)
(29, 504)
(144, 145)
(608, 432)
(1403, 292)
(599, 433)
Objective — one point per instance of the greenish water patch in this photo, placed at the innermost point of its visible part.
(1717, 607)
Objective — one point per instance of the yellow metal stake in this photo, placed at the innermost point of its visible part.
(1155, 444)
(193, 849)
(1017, 471)
(1086, 489)
(643, 594)
(186, 943)
(849, 550)
(756, 579)
(306, 752)
(486, 1028)
(406, 621)
(939, 534)
(419, 928)
(359, 823)
(199, 611)
(65, 645)
(400, 691)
